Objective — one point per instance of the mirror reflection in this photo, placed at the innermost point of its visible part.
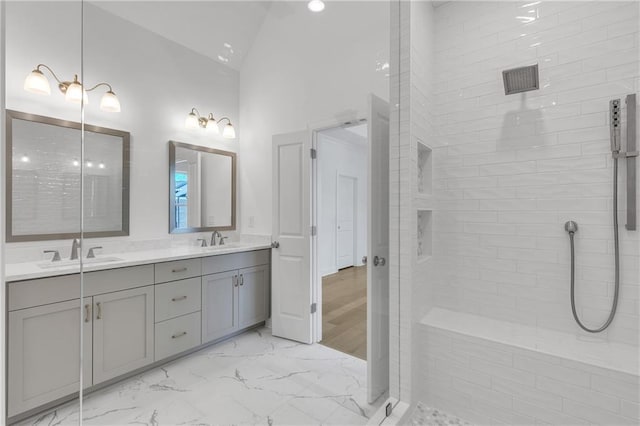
(202, 188)
(44, 186)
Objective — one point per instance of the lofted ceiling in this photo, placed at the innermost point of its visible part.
(221, 30)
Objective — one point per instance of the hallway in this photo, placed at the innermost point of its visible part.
(344, 311)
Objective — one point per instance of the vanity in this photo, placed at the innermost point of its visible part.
(137, 313)
(133, 309)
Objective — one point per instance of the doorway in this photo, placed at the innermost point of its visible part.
(298, 225)
(342, 182)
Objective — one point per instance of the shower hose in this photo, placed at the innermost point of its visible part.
(616, 248)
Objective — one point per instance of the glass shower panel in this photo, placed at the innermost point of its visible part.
(45, 327)
(196, 92)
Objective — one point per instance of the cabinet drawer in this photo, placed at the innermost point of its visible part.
(229, 262)
(117, 279)
(178, 270)
(178, 298)
(177, 335)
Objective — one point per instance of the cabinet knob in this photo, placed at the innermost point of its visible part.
(275, 244)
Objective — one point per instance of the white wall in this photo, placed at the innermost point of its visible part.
(339, 157)
(305, 68)
(156, 80)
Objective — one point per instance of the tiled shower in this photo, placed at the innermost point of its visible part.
(494, 178)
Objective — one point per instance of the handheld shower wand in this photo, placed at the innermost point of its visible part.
(571, 227)
(614, 111)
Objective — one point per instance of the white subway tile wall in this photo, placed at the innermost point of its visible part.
(510, 170)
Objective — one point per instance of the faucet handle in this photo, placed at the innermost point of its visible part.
(91, 254)
(203, 242)
(221, 241)
(56, 255)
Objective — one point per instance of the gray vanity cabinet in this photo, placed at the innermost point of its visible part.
(234, 300)
(219, 305)
(44, 355)
(253, 295)
(122, 332)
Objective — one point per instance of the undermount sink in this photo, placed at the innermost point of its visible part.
(76, 262)
(224, 246)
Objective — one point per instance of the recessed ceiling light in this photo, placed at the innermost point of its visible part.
(316, 5)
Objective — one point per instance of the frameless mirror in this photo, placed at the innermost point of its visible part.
(202, 188)
(44, 179)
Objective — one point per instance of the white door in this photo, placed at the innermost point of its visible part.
(291, 255)
(346, 197)
(378, 250)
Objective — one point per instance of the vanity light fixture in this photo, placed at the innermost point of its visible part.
(229, 132)
(316, 6)
(194, 120)
(36, 82)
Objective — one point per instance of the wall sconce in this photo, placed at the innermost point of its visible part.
(194, 120)
(36, 82)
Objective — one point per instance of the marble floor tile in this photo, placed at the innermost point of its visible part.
(253, 378)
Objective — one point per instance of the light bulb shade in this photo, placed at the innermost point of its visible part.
(110, 102)
(316, 5)
(229, 132)
(76, 94)
(37, 83)
(191, 122)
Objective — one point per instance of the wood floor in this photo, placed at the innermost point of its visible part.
(344, 311)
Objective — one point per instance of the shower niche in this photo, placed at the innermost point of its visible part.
(424, 170)
(424, 235)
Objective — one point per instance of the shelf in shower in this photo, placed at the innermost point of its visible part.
(424, 235)
(424, 169)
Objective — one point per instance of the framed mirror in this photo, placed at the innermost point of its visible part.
(202, 189)
(44, 171)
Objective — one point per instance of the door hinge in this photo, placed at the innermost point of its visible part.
(314, 231)
(314, 308)
(314, 153)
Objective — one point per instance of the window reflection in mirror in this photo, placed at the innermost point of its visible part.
(202, 188)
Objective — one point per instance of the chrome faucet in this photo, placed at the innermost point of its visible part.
(213, 237)
(74, 249)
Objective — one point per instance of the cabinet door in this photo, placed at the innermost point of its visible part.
(253, 295)
(122, 332)
(44, 353)
(219, 305)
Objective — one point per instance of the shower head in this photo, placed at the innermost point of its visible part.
(522, 79)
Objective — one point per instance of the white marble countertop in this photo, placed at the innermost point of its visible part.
(32, 270)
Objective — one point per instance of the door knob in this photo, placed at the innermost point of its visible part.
(379, 261)
(364, 260)
(275, 244)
